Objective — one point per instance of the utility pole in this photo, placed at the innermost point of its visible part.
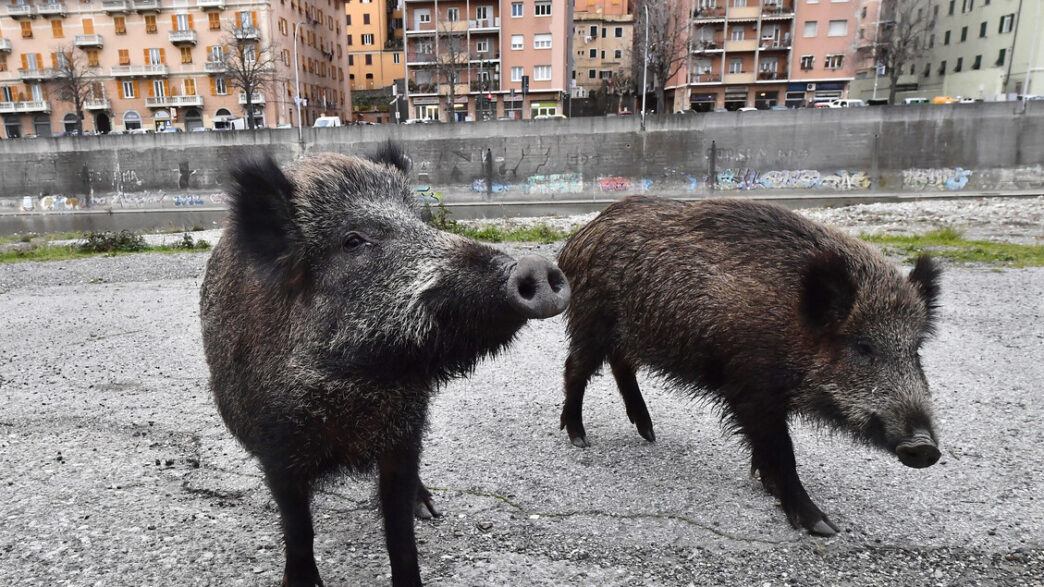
(297, 92)
(645, 65)
(1033, 53)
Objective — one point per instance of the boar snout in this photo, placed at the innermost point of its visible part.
(918, 451)
(536, 288)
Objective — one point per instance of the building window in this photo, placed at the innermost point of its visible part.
(737, 34)
(220, 87)
(967, 5)
(810, 28)
(942, 65)
(351, 60)
(619, 32)
(807, 61)
(927, 69)
(735, 66)
(977, 64)
(517, 43)
(542, 41)
(150, 23)
(186, 54)
(214, 21)
(516, 9)
(366, 19)
(453, 14)
(482, 46)
(27, 29)
(542, 73)
(618, 54)
(1001, 56)
(423, 16)
(835, 61)
(128, 89)
(92, 58)
(124, 56)
(593, 53)
(542, 9)
(369, 59)
(119, 25)
(396, 59)
(56, 29)
(959, 65)
(1007, 23)
(593, 31)
(516, 74)
(964, 34)
(838, 28)
(946, 38)
(367, 39)
(952, 4)
(982, 30)
(591, 73)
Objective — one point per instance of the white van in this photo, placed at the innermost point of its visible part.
(846, 103)
(327, 121)
(916, 101)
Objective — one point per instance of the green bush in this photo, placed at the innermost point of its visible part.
(124, 241)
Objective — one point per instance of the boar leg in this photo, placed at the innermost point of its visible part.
(398, 481)
(772, 454)
(293, 498)
(580, 365)
(424, 508)
(626, 382)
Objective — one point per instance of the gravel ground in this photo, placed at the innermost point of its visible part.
(115, 468)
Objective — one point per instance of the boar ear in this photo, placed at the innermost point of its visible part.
(263, 214)
(827, 291)
(391, 154)
(925, 275)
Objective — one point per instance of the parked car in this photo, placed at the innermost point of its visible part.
(942, 100)
(327, 122)
(548, 116)
(779, 108)
(916, 100)
(747, 109)
(846, 103)
(961, 100)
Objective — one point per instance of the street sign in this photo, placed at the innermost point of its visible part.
(881, 69)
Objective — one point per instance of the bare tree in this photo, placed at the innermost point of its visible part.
(668, 42)
(451, 61)
(74, 80)
(250, 65)
(902, 37)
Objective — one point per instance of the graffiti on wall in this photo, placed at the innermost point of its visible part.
(752, 179)
(936, 179)
(479, 186)
(554, 183)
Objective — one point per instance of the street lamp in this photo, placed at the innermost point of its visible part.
(297, 82)
(645, 65)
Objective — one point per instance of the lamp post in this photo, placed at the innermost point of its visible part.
(645, 64)
(297, 82)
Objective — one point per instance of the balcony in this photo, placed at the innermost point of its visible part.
(51, 9)
(255, 99)
(745, 45)
(485, 23)
(187, 37)
(706, 78)
(744, 12)
(5, 44)
(15, 107)
(214, 67)
(764, 76)
(146, 5)
(97, 104)
(21, 11)
(174, 101)
(485, 85)
(210, 4)
(138, 70)
(458, 89)
(783, 43)
(246, 33)
(488, 56)
(739, 78)
(30, 75)
(716, 13)
(116, 6)
(706, 46)
(413, 57)
(777, 10)
(88, 41)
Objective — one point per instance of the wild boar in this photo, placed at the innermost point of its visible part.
(331, 313)
(765, 313)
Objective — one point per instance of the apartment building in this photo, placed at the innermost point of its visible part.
(822, 64)
(487, 59)
(603, 35)
(159, 63)
(375, 43)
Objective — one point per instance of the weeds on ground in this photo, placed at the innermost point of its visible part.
(949, 243)
(540, 233)
(100, 243)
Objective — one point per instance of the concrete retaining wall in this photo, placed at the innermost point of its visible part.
(980, 147)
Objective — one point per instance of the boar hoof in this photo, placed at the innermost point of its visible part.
(645, 429)
(311, 579)
(823, 527)
(579, 441)
(424, 509)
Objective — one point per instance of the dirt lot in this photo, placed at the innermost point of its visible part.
(115, 468)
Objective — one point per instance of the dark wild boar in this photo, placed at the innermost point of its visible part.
(762, 311)
(330, 313)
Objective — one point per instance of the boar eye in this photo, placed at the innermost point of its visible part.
(355, 240)
(863, 350)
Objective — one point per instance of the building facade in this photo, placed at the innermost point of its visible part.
(603, 35)
(822, 63)
(502, 58)
(977, 49)
(376, 59)
(154, 64)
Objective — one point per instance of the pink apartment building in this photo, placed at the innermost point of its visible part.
(822, 63)
(490, 48)
(157, 63)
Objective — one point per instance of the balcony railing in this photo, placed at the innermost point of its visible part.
(413, 57)
(146, 5)
(484, 23)
(51, 9)
(783, 43)
(246, 32)
(36, 74)
(187, 36)
(214, 66)
(741, 45)
(88, 41)
(708, 45)
(211, 4)
(31, 106)
(138, 70)
(5, 44)
(423, 89)
(718, 12)
(777, 9)
(706, 78)
(488, 56)
(771, 75)
(97, 104)
(114, 6)
(174, 101)
(485, 85)
(21, 11)
(739, 78)
(255, 98)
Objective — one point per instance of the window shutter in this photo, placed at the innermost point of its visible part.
(191, 23)
(146, 53)
(54, 60)
(213, 87)
(152, 91)
(88, 26)
(25, 64)
(253, 18)
(166, 89)
(163, 56)
(174, 22)
(190, 87)
(137, 91)
(119, 86)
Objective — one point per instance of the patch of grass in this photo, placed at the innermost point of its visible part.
(948, 243)
(31, 236)
(540, 233)
(101, 244)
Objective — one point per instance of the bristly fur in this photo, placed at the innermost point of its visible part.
(390, 153)
(926, 276)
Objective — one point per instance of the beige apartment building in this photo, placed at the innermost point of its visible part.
(154, 64)
(766, 53)
(506, 58)
(375, 41)
(603, 35)
(977, 49)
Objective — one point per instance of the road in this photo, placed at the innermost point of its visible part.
(115, 468)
